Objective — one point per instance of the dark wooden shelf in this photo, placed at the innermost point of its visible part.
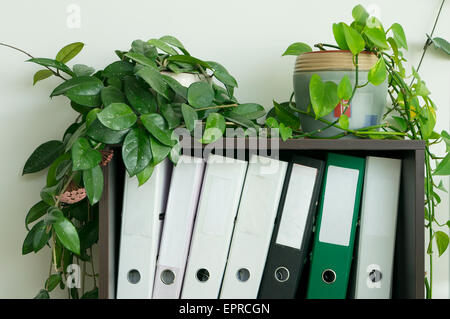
(409, 265)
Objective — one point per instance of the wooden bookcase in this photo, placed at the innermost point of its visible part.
(408, 279)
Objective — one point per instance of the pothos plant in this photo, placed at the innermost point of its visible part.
(411, 113)
(134, 102)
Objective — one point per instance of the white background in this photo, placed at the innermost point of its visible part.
(248, 37)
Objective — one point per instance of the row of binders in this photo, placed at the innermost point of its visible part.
(232, 229)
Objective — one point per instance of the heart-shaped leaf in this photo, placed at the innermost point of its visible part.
(175, 86)
(144, 175)
(285, 132)
(136, 152)
(323, 96)
(377, 37)
(345, 88)
(297, 49)
(159, 151)
(360, 14)
(343, 121)
(286, 116)
(250, 111)
(354, 40)
(442, 241)
(83, 156)
(157, 126)
(174, 42)
(82, 70)
(200, 94)
(377, 74)
(117, 116)
(214, 128)
(339, 36)
(93, 183)
(443, 167)
(119, 69)
(399, 35)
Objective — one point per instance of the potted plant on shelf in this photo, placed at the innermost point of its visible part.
(137, 102)
(342, 92)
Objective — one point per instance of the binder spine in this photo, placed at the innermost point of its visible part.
(176, 234)
(292, 234)
(219, 201)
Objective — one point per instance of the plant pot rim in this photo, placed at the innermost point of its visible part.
(335, 51)
(334, 60)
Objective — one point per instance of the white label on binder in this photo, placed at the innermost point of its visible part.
(296, 206)
(338, 205)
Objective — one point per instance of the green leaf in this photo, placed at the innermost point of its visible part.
(214, 128)
(377, 37)
(272, 122)
(52, 175)
(43, 156)
(52, 63)
(222, 74)
(441, 44)
(136, 152)
(446, 138)
(27, 246)
(42, 294)
(88, 234)
(84, 90)
(377, 74)
(360, 14)
(400, 123)
(200, 94)
(48, 194)
(175, 86)
(285, 132)
(174, 42)
(157, 126)
(441, 241)
(82, 70)
(343, 121)
(111, 94)
(93, 183)
(98, 132)
(41, 75)
(141, 59)
(69, 52)
(117, 116)
(353, 39)
(76, 82)
(144, 48)
(36, 211)
(119, 69)
(297, 49)
(250, 111)
(443, 167)
(345, 89)
(175, 153)
(67, 235)
(144, 175)
(339, 36)
(286, 116)
(189, 116)
(155, 80)
(399, 35)
(323, 95)
(53, 215)
(41, 236)
(92, 116)
(172, 118)
(140, 98)
(427, 122)
(83, 156)
(163, 46)
(189, 59)
(238, 119)
(159, 151)
(93, 294)
(52, 282)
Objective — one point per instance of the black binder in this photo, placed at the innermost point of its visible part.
(292, 232)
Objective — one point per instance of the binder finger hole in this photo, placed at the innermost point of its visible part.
(243, 274)
(134, 276)
(329, 276)
(281, 274)
(167, 277)
(203, 275)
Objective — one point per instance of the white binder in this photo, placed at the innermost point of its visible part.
(219, 201)
(140, 233)
(253, 229)
(375, 257)
(176, 235)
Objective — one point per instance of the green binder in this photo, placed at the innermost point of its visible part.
(336, 225)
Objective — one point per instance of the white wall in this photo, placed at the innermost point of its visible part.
(247, 37)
